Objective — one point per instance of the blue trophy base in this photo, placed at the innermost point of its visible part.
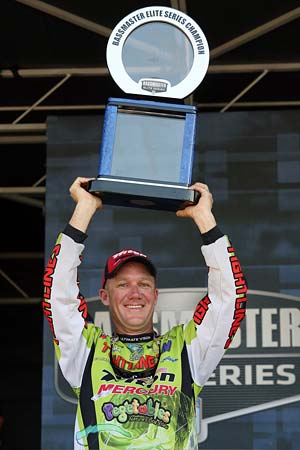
(142, 193)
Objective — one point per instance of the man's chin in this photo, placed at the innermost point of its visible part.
(134, 327)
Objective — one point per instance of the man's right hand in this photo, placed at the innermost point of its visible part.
(78, 191)
(86, 203)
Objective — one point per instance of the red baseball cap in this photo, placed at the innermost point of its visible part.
(117, 260)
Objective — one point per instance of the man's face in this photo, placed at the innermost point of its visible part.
(131, 297)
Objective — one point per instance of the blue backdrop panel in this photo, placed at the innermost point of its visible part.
(251, 161)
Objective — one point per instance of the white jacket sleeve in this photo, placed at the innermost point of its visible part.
(219, 314)
(65, 309)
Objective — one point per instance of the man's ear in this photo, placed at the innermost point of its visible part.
(104, 297)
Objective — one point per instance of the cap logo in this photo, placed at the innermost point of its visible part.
(128, 252)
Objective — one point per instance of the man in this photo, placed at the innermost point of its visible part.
(137, 390)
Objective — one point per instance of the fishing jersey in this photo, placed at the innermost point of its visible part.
(138, 392)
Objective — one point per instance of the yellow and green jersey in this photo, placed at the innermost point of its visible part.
(139, 392)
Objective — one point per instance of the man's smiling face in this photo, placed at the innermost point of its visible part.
(131, 296)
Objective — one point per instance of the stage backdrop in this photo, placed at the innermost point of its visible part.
(251, 161)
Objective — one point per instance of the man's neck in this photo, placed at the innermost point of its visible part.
(144, 337)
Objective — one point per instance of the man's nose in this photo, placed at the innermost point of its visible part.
(135, 290)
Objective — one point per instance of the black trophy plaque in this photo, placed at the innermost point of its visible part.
(142, 193)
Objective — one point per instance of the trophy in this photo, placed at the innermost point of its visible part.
(147, 146)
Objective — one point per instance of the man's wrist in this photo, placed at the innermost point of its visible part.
(82, 215)
(205, 221)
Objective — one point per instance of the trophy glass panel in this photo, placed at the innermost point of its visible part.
(158, 50)
(148, 147)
